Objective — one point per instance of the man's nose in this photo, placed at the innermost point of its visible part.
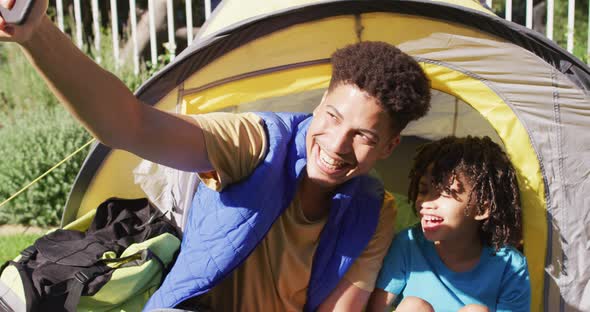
(341, 142)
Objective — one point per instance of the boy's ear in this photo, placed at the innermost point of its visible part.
(483, 216)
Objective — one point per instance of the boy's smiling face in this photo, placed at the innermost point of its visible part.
(349, 132)
(445, 214)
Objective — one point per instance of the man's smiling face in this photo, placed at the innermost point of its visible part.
(349, 132)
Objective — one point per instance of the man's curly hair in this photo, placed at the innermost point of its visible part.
(493, 179)
(386, 73)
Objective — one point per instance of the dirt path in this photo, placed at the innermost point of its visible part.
(11, 229)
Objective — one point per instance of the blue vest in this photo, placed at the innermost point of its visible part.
(224, 227)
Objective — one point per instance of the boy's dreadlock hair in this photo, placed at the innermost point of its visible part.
(487, 168)
(386, 73)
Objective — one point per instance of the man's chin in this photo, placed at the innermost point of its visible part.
(326, 182)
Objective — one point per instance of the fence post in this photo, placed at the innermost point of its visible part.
(153, 43)
(78, 18)
(550, 11)
(171, 44)
(96, 28)
(508, 10)
(189, 22)
(571, 17)
(133, 18)
(529, 14)
(59, 6)
(115, 31)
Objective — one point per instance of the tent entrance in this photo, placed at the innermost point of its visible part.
(462, 104)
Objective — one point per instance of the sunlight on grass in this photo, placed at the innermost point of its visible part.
(11, 245)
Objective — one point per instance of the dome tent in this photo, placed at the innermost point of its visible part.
(489, 77)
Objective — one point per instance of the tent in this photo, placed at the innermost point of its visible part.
(489, 77)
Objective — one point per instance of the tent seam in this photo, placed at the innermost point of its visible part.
(254, 74)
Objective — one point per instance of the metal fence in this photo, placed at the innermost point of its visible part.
(113, 20)
(78, 32)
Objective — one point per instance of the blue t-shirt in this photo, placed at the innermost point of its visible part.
(412, 267)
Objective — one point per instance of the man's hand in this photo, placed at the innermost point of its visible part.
(22, 33)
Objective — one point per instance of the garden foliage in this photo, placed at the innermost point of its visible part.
(36, 133)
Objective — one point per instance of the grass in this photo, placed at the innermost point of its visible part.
(11, 245)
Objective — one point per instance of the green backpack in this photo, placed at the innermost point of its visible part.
(115, 265)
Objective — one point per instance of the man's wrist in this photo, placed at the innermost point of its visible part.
(39, 32)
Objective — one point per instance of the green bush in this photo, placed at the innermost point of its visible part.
(36, 133)
(21, 88)
(29, 146)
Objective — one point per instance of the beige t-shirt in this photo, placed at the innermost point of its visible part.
(275, 276)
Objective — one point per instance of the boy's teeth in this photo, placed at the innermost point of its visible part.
(329, 161)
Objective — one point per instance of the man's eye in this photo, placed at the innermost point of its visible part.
(331, 115)
(366, 139)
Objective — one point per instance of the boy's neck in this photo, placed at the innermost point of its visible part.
(460, 255)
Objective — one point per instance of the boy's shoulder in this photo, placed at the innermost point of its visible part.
(511, 256)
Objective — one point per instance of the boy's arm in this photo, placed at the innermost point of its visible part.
(380, 301)
(102, 103)
(346, 297)
(515, 292)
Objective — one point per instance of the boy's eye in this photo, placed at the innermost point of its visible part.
(422, 190)
(446, 193)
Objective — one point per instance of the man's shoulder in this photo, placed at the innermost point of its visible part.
(286, 118)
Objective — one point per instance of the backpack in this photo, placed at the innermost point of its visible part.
(116, 264)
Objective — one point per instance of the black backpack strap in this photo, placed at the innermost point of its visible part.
(25, 256)
(31, 296)
(78, 283)
(27, 253)
(75, 286)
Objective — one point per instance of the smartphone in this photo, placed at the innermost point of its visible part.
(19, 12)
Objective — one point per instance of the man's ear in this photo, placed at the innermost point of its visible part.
(391, 145)
(321, 102)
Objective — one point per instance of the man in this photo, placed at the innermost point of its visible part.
(288, 218)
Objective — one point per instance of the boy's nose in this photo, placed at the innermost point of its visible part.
(428, 204)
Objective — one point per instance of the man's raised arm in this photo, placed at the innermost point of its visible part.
(100, 101)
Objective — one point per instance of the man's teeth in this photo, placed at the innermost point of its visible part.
(330, 162)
